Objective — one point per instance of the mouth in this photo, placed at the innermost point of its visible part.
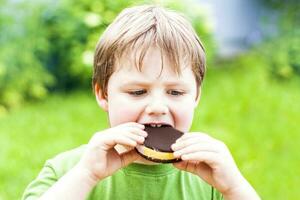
(157, 125)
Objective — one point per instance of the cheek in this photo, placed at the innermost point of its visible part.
(183, 116)
(121, 111)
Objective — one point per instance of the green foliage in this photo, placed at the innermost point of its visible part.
(22, 75)
(73, 31)
(49, 45)
(283, 51)
(280, 5)
(283, 55)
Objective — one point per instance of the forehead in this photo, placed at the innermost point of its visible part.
(155, 68)
(152, 62)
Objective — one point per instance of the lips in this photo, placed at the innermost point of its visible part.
(157, 124)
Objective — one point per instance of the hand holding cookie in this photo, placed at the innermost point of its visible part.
(101, 159)
(208, 158)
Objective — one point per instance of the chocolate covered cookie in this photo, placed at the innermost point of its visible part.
(157, 145)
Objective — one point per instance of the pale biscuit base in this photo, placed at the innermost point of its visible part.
(156, 156)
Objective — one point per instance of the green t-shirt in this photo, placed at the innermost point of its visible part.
(136, 181)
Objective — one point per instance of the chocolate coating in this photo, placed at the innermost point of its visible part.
(161, 138)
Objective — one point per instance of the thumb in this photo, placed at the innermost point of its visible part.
(182, 165)
(128, 157)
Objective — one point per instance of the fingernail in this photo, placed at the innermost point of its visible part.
(145, 133)
(184, 157)
(176, 154)
(141, 140)
(173, 146)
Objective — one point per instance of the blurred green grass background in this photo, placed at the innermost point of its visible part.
(256, 117)
(250, 102)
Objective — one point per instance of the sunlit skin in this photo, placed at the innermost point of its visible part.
(155, 94)
(152, 95)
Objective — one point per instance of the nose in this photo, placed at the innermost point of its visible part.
(157, 107)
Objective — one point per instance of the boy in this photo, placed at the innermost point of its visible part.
(148, 68)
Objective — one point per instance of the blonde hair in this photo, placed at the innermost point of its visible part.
(140, 27)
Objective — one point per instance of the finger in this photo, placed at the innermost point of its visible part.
(119, 139)
(192, 139)
(211, 143)
(187, 142)
(137, 131)
(200, 168)
(197, 147)
(189, 166)
(138, 138)
(194, 135)
(208, 157)
(128, 157)
(180, 165)
(133, 124)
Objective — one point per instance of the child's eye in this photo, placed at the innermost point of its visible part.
(175, 92)
(137, 92)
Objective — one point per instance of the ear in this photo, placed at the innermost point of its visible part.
(198, 97)
(101, 100)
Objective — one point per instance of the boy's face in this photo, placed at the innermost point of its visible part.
(152, 95)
